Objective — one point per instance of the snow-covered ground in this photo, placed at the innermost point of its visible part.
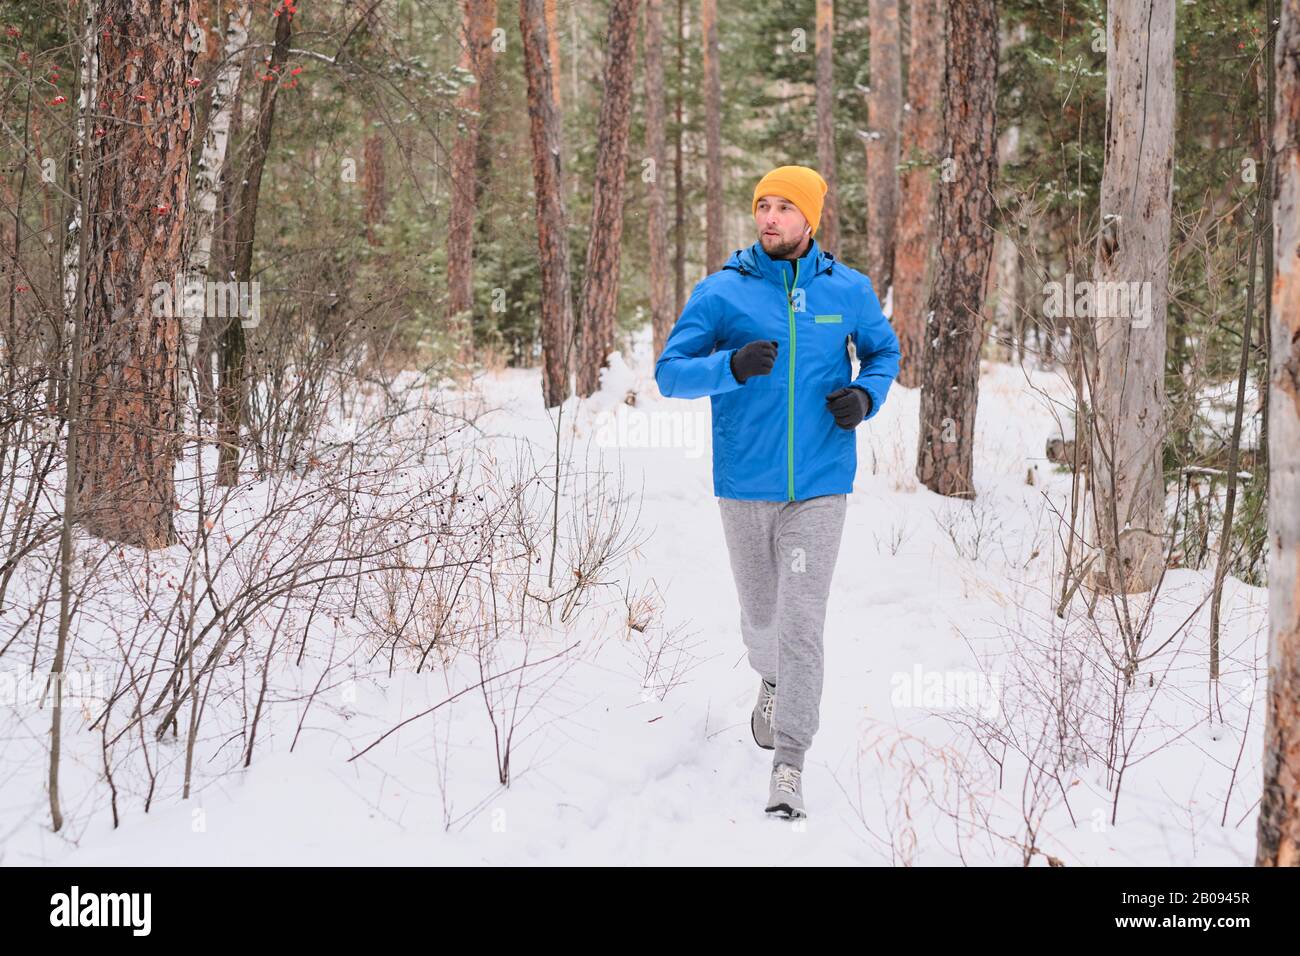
(948, 679)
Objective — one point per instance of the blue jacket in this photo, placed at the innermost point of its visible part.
(772, 440)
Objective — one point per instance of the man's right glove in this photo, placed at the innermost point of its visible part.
(756, 358)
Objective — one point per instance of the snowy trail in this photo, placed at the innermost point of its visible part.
(602, 775)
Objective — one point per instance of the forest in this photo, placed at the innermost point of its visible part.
(358, 489)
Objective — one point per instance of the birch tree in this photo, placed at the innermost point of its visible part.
(212, 159)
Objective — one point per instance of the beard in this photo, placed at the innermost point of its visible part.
(782, 250)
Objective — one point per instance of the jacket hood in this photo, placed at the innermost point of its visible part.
(754, 260)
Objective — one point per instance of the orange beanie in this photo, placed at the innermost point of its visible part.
(802, 186)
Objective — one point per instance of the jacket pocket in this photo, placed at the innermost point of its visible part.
(835, 317)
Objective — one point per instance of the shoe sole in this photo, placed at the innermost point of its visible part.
(786, 811)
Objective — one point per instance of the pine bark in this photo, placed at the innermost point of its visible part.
(478, 22)
(713, 228)
(137, 203)
(922, 137)
(661, 314)
(954, 329)
(884, 118)
(552, 240)
(600, 298)
(828, 230)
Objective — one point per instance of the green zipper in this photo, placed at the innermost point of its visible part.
(789, 431)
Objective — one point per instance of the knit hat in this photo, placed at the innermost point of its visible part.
(802, 186)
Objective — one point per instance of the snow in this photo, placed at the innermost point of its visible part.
(941, 616)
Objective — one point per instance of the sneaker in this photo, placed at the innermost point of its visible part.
(760, 721)
(785, 796)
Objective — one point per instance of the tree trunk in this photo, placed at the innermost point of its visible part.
(88, 75)
(138, 193)
(88, 80)
(1004, 277)
(233, 391)
(828, 230)
(600, 299)
(553, 47)
(1007, 272)
(954, 329)
(552, 240)
(922, 131)
(661, 314)
(212, 160)
(478, 22)
(884, 117)
(222, 257)
(374, 181)
(1278, 831)
(715, 253)
(1127, 384)
(679, 186)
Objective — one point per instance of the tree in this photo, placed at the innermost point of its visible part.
(1006, 278)
(1126, 384)
(1278, 830)
(477, 23)
(713, 226)
(86, 95)
(954, 330)
(553, 47)
(552, 241)
(212, 159)
(679, 185)
(828, 230)
(233, 391)
(136, 213)
(661, 306)
(885, 116)
(374, 179)
(922, 137)
(600, 277)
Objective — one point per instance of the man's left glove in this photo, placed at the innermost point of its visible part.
(849, 405)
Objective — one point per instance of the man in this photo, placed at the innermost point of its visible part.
(766, 338)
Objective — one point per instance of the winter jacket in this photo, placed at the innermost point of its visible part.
(774, 440)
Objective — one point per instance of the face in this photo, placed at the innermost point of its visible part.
(782, 228)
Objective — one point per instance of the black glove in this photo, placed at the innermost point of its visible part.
(756, 358)
(849, 405)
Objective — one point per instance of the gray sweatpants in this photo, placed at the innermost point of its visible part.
(782, 556)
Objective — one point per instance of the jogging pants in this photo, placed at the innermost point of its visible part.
(782, 556)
